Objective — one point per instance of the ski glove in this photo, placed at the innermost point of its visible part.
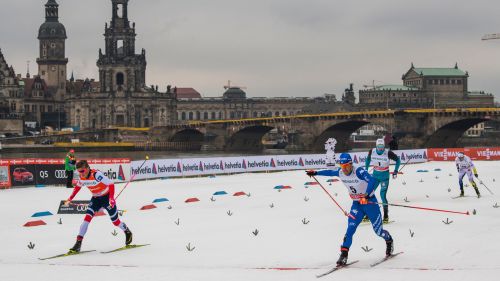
(476, 175)
(311, 173)
(363, 200)
(394, 175)
(112, 203)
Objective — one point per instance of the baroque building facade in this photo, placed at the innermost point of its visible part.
(426, 88)
(121, 97)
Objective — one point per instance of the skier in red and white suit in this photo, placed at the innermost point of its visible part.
(103, 196)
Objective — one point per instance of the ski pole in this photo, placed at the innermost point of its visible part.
(335, 201)
(481, 182)
(404, 165)
(422, 208)
(131, 178)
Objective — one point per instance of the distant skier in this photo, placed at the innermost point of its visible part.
(361, 186)
(381, 158)
(103, 196)
(464, 166)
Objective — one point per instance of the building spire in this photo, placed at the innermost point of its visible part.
(51, 11)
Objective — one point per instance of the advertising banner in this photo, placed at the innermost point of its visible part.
(77, 207)
(22, 174)
(412, 156)
(200, 166)
(48, 174)
(233, 164)
(156, 168)
(313, 161)
(4, 174)
(260, 163)
(449, 154)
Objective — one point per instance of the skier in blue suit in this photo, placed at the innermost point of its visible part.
(361, 186)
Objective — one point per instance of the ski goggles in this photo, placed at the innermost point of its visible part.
(345, 165)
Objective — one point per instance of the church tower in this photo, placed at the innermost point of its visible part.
(51, 61)
(121, 71)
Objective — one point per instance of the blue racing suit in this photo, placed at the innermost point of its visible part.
(359, 184)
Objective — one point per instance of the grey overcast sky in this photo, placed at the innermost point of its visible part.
(273, 47)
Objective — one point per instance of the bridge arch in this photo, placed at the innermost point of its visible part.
(448, 135)
(341, 132)
(187, 135)
(248, 138)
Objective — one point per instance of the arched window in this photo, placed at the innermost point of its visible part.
(205, 115)
(221, 115)
(283, 113)
(198, 115)
(120, 78)
(231, 115)
(277, 113)
(213, 115)
(190, 115)
(183, 115)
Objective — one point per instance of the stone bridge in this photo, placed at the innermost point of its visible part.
(415, 128)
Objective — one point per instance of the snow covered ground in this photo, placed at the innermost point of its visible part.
(225, 247)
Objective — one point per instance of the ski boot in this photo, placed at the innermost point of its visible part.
(385, 220)
(343, 257)
(128, 236)
(76, 248)
(389, 249)
(386, 215)
(461, 193)
(477, 192)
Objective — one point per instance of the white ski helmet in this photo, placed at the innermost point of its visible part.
(380, 144)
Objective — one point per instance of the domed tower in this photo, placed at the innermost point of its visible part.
(121, 71)
(51, 61)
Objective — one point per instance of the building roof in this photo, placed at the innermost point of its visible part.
(425, 71)
(393, 88)
(187, 93)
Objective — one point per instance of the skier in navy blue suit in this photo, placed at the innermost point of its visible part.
(361, 186)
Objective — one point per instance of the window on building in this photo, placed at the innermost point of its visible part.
(277, 113)
(453, 81)
(26, 108)
(459, 82)
(221, 115)
(198, 115)
(183, 115)
(255, 114)
(447, 81)
(119, 10)
(213, 115)
(42, 108)
(232, 115)
(119, 47)
(49, 108)
(441, 82)
(190, 115)
(119, 78)
(205, 115)
(13, 106)
(33, 108)
(283, 113)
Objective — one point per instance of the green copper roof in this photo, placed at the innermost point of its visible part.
(439, 71)
(395, 88)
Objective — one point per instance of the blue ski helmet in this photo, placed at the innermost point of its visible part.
(345, 158)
